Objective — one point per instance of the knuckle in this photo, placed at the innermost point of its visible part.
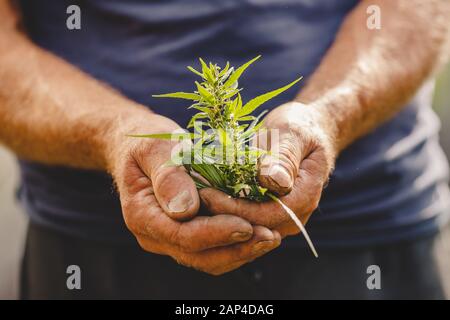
(279, 217)
(186, 240)
(314, 199)
(311, 205)
(175, 239)
(188, 246)
(211, 205)
(143, 243)
(310, 208)
(216, 272)
(183, 260)
(130, 219)
(197, 264)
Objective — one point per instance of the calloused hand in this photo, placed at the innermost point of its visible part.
(160, 204)
(297, 172)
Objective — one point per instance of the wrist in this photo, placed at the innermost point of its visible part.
(327, 123)
(119, 146)
(339, 109)
(316, 121)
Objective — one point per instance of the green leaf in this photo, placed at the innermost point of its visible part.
(195, 117)
(231, 93)
(247, 118)
(195, 71)
(226, 75)
(165, 136)
(238, 187)
(250, 106)
(204, 93)
(224, 70)
(224, 139)
(254, 123)
(238, 72)
(203, 109)
(249, 134)
(179, 95)
(262, 190)
(211, 173)
(236, 105)
(198, 127)
(206, 71)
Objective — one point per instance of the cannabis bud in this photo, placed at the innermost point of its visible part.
(222, 153)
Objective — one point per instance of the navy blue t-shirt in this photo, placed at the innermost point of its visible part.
(389, 185)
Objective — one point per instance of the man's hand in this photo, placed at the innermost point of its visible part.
(298, 170)
(57, 125)
(156, 198)
(363, 80)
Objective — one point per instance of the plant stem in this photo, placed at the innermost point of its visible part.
(296, 220)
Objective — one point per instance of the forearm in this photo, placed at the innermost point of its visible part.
(368, 75)
(53, 113)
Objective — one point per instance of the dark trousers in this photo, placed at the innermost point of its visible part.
(408, 270)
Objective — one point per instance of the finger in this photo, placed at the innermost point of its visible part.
(176, 192)
(308, 185)
(278, 170)
(220, 260)
(289, 228)
(267, 213)
(149, 221)
(173, 187)
(303, 200)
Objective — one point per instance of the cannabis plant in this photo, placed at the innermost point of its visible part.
(221, 152)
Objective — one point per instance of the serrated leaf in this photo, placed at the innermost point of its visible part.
(210, 172)
(165, 136)
(206, 71)
(234, 77)
(231, 93)
(195, 117)
(225, 77)
(250, 106)
(238, 187)
(179, 95)
(255, 123)
(224, 70)
(195, 71)
(224, 139)
(262, 190)
(247, 118)
(203, 109)
(204, 93)
(236, 105)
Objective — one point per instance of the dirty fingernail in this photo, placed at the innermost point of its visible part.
(180, 203)
(280, 176)
(240, 236)
(262, 247)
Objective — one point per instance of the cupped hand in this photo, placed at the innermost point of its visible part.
(160, 204)
(297, 170)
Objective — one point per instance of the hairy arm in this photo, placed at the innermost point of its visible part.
(52, 112)
(363, 80)
(368, 75)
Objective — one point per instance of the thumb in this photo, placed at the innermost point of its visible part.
(277, 171)
(176, 192)
(174, 189)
